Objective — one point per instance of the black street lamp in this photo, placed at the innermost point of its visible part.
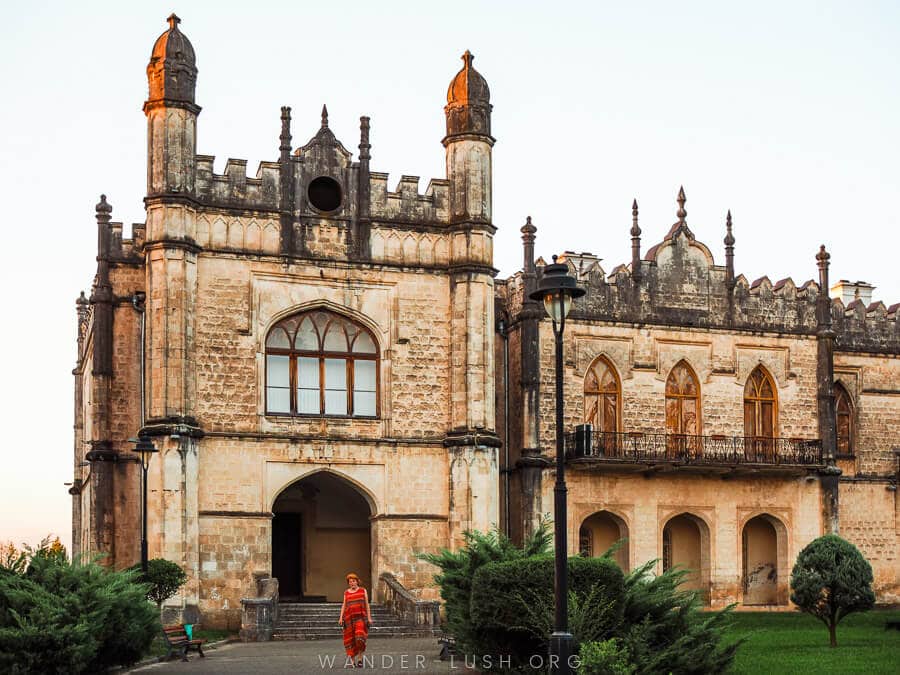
(557, 290)
(145, 449)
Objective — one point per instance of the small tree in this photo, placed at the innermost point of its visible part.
(830, 580)
(164, 578)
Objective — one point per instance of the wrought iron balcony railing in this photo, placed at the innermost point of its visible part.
(643, 447)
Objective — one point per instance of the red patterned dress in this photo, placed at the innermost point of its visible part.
(356, 627)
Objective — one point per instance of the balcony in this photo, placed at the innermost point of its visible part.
(654, 452)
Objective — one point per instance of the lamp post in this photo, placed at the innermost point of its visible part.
(145, 449)
(557, 290)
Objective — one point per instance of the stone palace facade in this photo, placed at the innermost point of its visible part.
(335, 381)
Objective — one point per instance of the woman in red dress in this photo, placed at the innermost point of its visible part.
(356, 615)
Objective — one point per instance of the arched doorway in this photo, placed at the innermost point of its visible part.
(764, 561)
(685, 544)
(599, 531)
(320, 532)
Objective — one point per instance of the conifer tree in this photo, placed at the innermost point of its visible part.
(831, 579)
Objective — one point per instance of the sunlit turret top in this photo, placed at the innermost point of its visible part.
(468, 107)
(172, 71)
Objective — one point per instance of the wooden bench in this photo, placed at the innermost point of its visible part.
(177, 639)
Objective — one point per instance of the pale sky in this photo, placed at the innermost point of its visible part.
(787, 113)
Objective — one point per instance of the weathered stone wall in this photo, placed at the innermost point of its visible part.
(241, 476)
(724, 507)
(644, 357)
(869, 519)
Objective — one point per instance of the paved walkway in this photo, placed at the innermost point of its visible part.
(387, 656)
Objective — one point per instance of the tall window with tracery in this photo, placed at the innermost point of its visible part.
(682, 401)
(760, 403)
(601, 396)
(321, 363)
(843, 408)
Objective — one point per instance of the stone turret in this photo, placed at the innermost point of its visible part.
(171, 114)
(471, 438)
(468, 143)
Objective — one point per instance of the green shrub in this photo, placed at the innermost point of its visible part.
(513, 604)
(603, 658)
(830, 580)
(663, 629)
(62, 617)
(163, 577)
(458, 569)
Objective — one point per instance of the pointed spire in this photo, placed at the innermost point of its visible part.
(824, 301)
(324, 116)
(729, 251)
(285, 137)
(682, 214)
(635, 242)
(635, 228)
(528, 230)
(364, 145)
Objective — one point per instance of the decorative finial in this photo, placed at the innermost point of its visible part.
(81, 301)
(635, 228)
(104, 207)
(823, 256)
(324, 116)
(729, 237)
(682, 214)
(467, 59)
(173, 20)
(554, 258)
(528, 228)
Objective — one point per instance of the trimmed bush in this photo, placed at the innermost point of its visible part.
(458, 570)
(830, 580)
(603, 658)
(60, 617)
(163, 577)
(513, 604)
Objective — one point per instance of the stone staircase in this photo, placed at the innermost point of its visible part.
(319, 621)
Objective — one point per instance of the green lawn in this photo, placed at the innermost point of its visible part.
(796, 643)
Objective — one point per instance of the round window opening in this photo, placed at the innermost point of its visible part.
(324, 193)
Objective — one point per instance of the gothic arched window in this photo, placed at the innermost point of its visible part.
(760, 405)
(682, 401)
(601, 396)
(321, 363)
(843, 408)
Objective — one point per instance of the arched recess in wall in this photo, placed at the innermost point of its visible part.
(760, 415)
(844, 419)
(601, 530)
(686, 545)
(765, 570)
(321, 528)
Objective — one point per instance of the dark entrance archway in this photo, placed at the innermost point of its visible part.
(320, 532)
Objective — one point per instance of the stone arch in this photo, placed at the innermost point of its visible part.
(599, 531)
(321, 529)
(845, 419)
(765, 570)
(686, 544)
(328, 306)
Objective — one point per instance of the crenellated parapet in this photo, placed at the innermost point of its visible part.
(406, 204)
(234, 189)
(679, 284)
